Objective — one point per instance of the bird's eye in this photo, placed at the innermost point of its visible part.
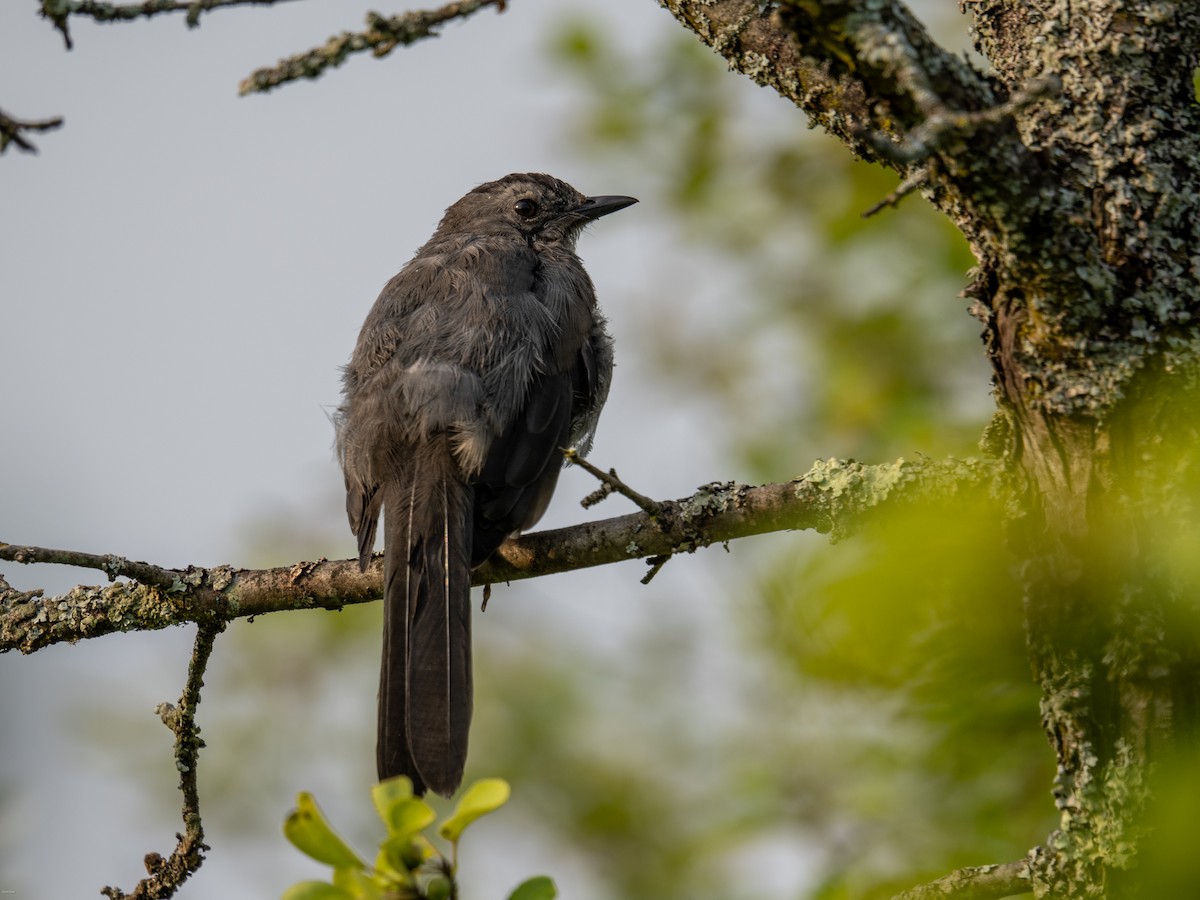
(526, 209)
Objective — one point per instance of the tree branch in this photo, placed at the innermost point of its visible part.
(975, 883)
(856, 67)
(610, 484)
(382, 36)
(833, 497)
(913, 182)
(59, 11)
(11, 131)
(166, 875)
(943, 125)
(113, 566)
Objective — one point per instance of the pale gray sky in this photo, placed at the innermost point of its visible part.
(186, 269)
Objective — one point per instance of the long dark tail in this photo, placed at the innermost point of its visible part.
(425, 679)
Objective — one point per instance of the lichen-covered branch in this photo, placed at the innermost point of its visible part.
(942, 124)
(166, 875)
(833, 497)
(29, 621)
(975, 883)
(382, 35)
(113, 566)
(865, 70)
(13, 131)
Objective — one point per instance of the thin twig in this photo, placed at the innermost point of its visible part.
(656, 564)
(382, 35)
(11, 131)
(943, 124)
(166, 875)
(112, 566)
(610, 480)
(917, 178)
(59, 11)
(975, 883)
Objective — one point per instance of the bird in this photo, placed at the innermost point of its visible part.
(480, 362)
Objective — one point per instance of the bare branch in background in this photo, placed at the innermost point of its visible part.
(166, 875)
(59, 11)
(382, 35)
(11, 131)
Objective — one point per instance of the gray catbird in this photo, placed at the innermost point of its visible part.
(478, 364)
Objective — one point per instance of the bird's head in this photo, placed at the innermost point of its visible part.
(537, 207)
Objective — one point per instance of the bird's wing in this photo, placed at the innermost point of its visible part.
(522, 465)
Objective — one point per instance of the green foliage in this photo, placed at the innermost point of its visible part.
(316, 890)
(1168, 865)
(307, 829)
(917, 611)
(537, 888)
(481, 798)
(408, 866)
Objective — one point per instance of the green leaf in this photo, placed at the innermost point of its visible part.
(403, 854)
(390, 870)
(315, 890)
(481, 798)
(438, 888)
(539, 887)
(388, 792)
(408, 817)
(358, 884)
(307, 829)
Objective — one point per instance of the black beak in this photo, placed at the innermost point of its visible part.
(595, 207)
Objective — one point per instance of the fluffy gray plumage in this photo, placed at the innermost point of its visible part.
(480, 361)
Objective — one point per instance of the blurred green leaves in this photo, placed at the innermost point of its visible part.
(916, 611)
(831, 335)
(306, 828)
(1169, 865)
(537, 888)
(885, 712)
(480, 798)
(408, 866)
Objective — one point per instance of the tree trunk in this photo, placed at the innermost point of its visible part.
(1091, 327)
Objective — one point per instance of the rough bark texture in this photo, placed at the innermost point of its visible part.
(1091, 324)
(1072, 170)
